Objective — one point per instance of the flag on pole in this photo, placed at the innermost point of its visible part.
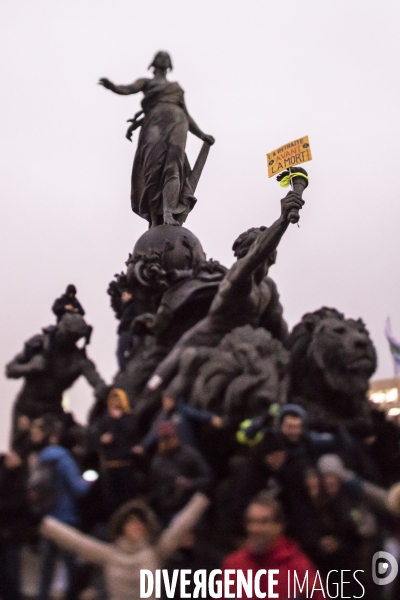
(394, 346)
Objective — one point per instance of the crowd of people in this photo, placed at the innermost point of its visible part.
(107, 500)
(288, 501)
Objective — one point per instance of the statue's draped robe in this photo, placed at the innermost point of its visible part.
(161, 168)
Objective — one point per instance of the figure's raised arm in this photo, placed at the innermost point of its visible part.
(124, 90)
(266, 243)
(181, 525)
(71, 539)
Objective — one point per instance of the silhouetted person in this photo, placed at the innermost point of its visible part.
(16, 524)
(70, 487)
(177, 472)
(68, 302)
(116, 436)
(264, 469)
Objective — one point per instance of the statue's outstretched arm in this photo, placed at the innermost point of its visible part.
(234, 283)
(265, 244)
(17, 368)
(124, 90)
(92, 376)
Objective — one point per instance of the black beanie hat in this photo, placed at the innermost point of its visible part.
(71, 289)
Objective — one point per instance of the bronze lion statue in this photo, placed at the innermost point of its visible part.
(331, 361)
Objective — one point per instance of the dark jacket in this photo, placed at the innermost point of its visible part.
(124, 432)
(58, 307)
(252, 478)
(129, 310)
(286, 484)
(330, 517)
(16, 521)
(186, 462)
(311, 446)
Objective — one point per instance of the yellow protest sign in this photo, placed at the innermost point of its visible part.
(291, 154)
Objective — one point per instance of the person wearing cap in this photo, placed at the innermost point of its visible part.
(185, 418)
(376, 497)
(177, 471)
(300, 441)
(308, 445)
(352, 530)
(68, 302)
(322, 525)
(136, 543)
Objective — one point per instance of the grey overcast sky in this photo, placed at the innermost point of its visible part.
(257, 74)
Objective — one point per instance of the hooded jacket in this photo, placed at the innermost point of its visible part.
(70, 483)
(123, 560)
(58, 307)
(283, 555)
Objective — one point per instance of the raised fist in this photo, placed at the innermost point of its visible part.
(291, 202)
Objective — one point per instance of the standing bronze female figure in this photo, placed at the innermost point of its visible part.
(161, 191)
